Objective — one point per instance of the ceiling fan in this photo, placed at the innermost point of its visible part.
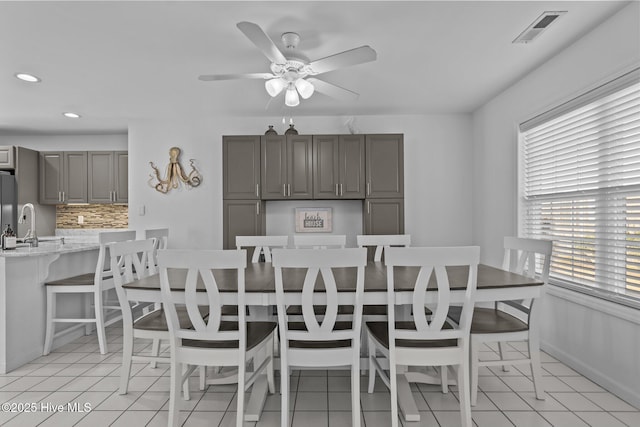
(291, 71)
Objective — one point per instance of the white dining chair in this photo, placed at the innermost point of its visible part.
(424, 340)
(319, 341)
(319, 241)
(95, 286)
(512, 320)
(382, 241)
(262, 245)
(162, 240)
(187, 280)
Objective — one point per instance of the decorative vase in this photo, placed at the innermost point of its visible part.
(291, 131)
(271, 131)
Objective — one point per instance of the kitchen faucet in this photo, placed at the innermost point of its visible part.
(31, 237)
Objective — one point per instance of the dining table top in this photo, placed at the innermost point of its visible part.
(260, 278)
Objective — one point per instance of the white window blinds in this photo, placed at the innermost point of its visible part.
(581, 186)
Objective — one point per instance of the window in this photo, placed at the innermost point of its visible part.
(580, 187)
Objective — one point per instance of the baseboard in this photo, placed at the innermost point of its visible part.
(625, 393)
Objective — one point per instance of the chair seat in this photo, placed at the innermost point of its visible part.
(257, 332)
(157, 320)
(300, 326)
(490, 321)
(367, 310)
(79, 280)
(380, 331)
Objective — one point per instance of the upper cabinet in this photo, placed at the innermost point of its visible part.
(241, 167)
(108, 177)
(63, 177)
(385, 166)
(287, 167)
(338, 167)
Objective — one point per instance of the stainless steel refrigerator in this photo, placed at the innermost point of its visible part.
(8, 201)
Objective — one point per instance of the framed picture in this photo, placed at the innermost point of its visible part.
(313, 220)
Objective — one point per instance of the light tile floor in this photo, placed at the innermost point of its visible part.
(78, 374)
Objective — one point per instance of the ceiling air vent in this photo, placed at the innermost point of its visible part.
(538, 26)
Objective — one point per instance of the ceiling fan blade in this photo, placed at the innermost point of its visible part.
(210, 77)
(332, 90)
(347, 58)
(262, 42)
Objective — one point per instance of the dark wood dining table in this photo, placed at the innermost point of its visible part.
(493, 284)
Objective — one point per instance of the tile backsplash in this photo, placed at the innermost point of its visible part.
(94, 216)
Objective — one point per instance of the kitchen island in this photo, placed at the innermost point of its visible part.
(23, 272)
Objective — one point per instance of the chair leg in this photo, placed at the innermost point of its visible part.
(284, 392)
(185, 385)
(50, 328)
(155, 351)
(270, 375)
(203, 377)
(355, 391)
(88, 313)
(102, 339)
(474, 359)
(240, 397)
(127, 356)
(393, 391)
(536, 368)
(463, 392)
(372, 371)
(501, 349)
(176, 379)
(444, 379)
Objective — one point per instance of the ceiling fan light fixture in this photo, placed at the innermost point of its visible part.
(275, 86)
(305, 88)
(291, 98)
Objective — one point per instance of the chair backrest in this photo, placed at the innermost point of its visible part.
(130, 260)
(187, 280)
(319, 241)
(382, 241)
(162, 240)
(103, 266)
(528, 257)
(262, 245)
(432, 263)
(318, 262)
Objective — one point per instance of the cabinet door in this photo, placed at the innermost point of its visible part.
(299, 167)
(101, 176)
(274, 167)
(75, 177)
(385, 166)
(352, 165)
(241, 167)
(7, 157)
(121, 175)
(326, 176)
(384, 216)
(242, 218)
(51, 172)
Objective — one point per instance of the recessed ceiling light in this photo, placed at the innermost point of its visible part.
(28, 77)
(71, 115)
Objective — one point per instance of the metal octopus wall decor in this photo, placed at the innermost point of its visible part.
(175, 174)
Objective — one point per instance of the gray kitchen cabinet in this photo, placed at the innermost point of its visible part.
(107, 176)
(385, 166)
(63, 177)
(7, 157)
(286, 170)
(241, 167)
(339, 167)
(383, 216)
(242, 218)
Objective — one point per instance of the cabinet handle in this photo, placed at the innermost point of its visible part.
(258, 190)
(336, 189)
(340, 190)
(257, 208)
(289, 190)
(284, 190)
(368, 188)
(59, 196)
(63, 195)
(368, 207)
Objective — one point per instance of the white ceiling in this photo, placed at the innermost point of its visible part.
(115, 62)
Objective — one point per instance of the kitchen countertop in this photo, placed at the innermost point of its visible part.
(48, 247)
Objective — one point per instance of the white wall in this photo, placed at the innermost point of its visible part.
(437, 151)
(570, 332)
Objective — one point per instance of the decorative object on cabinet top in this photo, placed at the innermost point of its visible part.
(291, 130)
(175, 174)
(271, 131)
